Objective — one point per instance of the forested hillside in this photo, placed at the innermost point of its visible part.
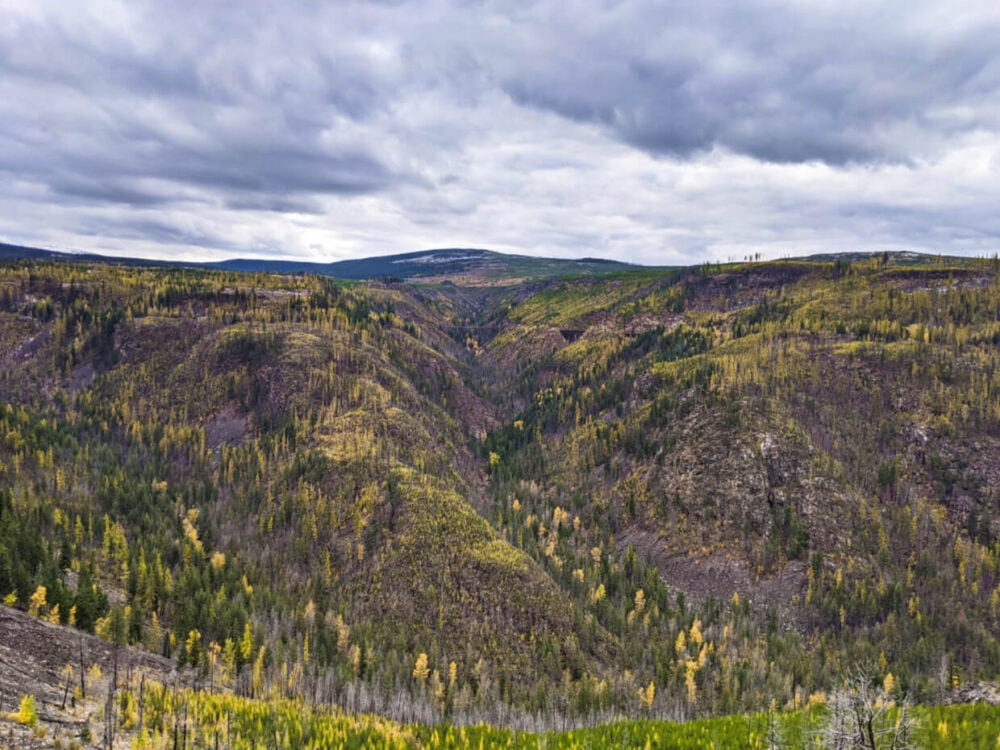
(806, 455)
(668, 493)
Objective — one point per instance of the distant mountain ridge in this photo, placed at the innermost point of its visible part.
(472, 264)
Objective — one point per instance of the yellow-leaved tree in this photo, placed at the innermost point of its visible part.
(421, 670)
(36, 605)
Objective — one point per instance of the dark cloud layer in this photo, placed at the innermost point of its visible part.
(642, 129)
(783, 82)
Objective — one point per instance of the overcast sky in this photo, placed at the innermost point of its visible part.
(656, 132)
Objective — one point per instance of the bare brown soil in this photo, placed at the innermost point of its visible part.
(34, 661)
(720, 575)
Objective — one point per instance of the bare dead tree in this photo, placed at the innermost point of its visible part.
(67, 672)
(142, 697)
(110, 717)
(773, 736)
(862, 715)
(83, 671)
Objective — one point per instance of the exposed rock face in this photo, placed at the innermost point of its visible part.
(980, 692)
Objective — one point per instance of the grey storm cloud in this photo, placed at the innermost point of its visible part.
(781, 82)
(371, 127)
(170, 101)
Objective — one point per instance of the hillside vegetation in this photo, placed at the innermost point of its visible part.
(808, 452)
(651, 493)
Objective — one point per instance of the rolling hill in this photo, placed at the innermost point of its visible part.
(467, 266)
(668, 492)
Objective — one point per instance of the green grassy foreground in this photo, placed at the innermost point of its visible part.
(188, 718)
